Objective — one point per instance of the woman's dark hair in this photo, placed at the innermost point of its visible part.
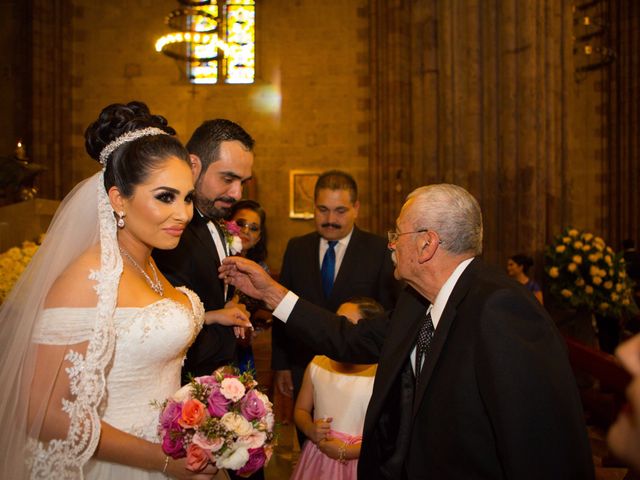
(525, 261)
(367, 307)
(257, 253)
(131, 163)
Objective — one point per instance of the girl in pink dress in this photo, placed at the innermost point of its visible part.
(331, 407)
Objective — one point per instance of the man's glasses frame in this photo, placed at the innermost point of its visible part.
(393, 235)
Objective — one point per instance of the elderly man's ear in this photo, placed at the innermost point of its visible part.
(428, 247)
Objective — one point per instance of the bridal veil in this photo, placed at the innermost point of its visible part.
(52, 381)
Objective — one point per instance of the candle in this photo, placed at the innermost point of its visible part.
(21, 152)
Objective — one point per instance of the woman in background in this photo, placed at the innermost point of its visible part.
(518, 267)
(251, 219)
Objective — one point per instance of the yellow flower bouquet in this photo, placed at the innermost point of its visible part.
(12, 264)
(586, 273)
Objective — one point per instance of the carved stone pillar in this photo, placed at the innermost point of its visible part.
(51, 97)
(473, 92)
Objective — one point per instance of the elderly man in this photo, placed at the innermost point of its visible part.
(473, 379)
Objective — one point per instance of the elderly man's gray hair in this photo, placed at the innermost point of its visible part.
(452, 212)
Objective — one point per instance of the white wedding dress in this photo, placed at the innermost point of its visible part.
(151, 343)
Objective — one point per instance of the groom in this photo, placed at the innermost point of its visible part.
(221, 154)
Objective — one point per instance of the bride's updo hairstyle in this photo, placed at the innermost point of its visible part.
(131, 162)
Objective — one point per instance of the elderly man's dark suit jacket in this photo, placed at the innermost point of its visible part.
(496, 396)
(366, 270)
(194, 264)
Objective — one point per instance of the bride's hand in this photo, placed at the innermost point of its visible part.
(232, 315)
(178, 469)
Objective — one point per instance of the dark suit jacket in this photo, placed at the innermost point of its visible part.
(194, 264)
(366, 270)
(496, 398)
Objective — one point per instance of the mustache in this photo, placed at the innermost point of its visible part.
(331, 225)
(225, 199)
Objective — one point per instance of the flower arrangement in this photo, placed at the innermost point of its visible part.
(12, 264)
(232, 236)
(585, 272)
(220, 419)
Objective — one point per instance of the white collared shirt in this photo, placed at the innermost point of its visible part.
(437, 307)
(219, 243)
(340, 248)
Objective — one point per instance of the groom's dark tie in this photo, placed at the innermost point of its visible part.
(423, 345)
(328, 269)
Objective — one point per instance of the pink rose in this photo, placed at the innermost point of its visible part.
(193, 413)
(170, 416)
(206, 380)
(256, 460)
(197, 458)
(232, 388)
(232, 227)
(252, 406)
(173, 446)
(207, 444)
(217, 404)
(254, 439)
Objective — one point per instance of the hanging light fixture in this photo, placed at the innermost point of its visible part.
(193, 27)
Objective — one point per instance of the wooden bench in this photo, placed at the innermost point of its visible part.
(603, 400)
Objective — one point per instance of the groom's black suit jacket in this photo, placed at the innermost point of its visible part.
(366, 270)
(496, 397)
(194, 263)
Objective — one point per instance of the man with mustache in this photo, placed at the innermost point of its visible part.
(221, 154)
(360, 267)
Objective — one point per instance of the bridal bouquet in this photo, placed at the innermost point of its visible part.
(220, 419)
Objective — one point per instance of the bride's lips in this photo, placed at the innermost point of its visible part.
(175, 231)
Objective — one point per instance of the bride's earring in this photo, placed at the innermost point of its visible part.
(120, 221)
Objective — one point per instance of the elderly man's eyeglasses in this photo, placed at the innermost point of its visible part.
(392, 235)
(253, 227)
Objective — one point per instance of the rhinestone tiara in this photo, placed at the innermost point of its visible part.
(128, 137)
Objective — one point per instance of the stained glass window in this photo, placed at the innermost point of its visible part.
(236, 30)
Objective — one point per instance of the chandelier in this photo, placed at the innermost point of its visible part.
(214, 38)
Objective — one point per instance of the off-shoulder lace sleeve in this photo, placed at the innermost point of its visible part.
(64, 326)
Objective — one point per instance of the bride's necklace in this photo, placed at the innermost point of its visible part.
(155, 284)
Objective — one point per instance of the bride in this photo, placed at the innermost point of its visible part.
(93, 333)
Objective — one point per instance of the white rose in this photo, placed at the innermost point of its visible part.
(236, 423)
(265, 400)
(183, 394)
(236, 245)
(234, 460)
(269, 421)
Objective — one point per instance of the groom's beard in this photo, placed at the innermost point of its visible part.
(209, 209)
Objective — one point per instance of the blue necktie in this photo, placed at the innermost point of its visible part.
(328, 269)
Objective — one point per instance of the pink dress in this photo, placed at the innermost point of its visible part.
(344, 397)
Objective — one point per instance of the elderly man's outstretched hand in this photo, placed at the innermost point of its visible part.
(251, 279)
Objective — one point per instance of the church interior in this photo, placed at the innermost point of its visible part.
(533, 106)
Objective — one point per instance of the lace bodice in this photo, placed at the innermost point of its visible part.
(150, 346)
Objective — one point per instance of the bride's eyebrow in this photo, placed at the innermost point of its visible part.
(166, 189)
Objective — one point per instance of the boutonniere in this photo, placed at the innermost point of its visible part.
(231, 232)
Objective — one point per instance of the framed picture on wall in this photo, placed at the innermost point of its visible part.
(301, 185)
